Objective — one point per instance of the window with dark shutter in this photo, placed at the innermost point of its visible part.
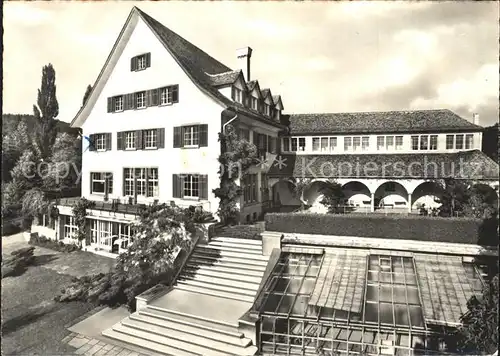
(203, 186)
(138, 140)
(160, 134)
(108, 141)
(92, 143)
(148, 60)
(154, 97)
(203, 132)
(176, 186)
(110, 104)
(133, 64)
(178, 137)
(175, 94)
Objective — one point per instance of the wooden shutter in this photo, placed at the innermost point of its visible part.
(203, 132)
(123, 181)
(177, 137)
(155, 97)
(175, 93)
(119, 140)
(133, 100)
(176, 186)
(92, 143)
(108, 141)
(90, 183)
(256, 139)
(133, 64)
(148, 59)
(147, 97)
(127, 101)
(232, 92)
(138, 140)
(110, 104)
(160, 136)
(203, 186)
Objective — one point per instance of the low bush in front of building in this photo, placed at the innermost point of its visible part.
(162, 233)
(411, 227)
(42, 241)
(249, 232)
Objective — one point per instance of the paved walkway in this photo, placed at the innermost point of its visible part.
(87, 346)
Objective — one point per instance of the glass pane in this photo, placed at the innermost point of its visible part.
(386, 313)
(372, 293)
(401, 313)
(416, 316)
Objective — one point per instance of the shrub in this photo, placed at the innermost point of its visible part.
(420, 228)
(17, 263)
(161, 233)
(42, 241)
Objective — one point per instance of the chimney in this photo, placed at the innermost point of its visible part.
(475, 119)
(244, 55)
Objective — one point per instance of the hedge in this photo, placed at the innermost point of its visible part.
(42, 241)
(422, 228)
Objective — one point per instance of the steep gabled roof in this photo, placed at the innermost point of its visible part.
(382, 122)
(267, 92)
(197, 64)
(226, 78)
(277, 99)
(254, 85)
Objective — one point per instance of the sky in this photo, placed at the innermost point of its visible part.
(319, 56)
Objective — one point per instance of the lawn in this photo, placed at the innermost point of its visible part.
(32, 323)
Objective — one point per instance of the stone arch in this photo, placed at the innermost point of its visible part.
(391, 194)
(489, 193)
(312, 193)
(357, 193)
(426, 194)
(283, 193)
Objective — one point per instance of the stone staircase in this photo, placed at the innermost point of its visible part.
(225, 267)
(199, 316)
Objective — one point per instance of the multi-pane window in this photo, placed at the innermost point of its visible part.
(191, 186)
(459, 142)
(356, 142)
(141, 62)
(469, 141)
(100, 142)
(105, 233)
(166, 95)
(333, 143)
(365, 143)
(70, 227)
(414, 143)
(153, 182)
(238, 95)
(250, 188)
(450, 142)
(191, 135)
(433, 145)
(125, 233)
(140, 100)
(150, 138)
(99, 182)
(267, 109)
(315, 143)
(399, 143)
(424, 142)
(144, 179)
(347, 143)
(94, 231)
(130, 140)
(389, 143)
(254, 103)
(324, 144)
(294, 144)
(380, 142)
(118, 101)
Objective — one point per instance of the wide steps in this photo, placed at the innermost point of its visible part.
(237, 241)
(219, 345)
(219, 287)
(213, 292)
(226, 275)
(245, 247)
(230, 260)
(191, 320)
(207, 249)
(237, 249)
(225, 267)
(220, 281)
(149, 345)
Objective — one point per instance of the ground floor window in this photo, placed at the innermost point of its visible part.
(70, 227)
(108, 235)
(250, 188)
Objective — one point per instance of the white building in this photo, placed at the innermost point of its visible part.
(153, 120)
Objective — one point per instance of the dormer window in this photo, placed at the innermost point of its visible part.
(277, 114)
(267, 109)
(254, 103)
(238, 95)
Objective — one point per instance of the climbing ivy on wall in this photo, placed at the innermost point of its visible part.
(79, 214)
(236, 157)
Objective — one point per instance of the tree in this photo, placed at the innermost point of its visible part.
(299, 187)
(453, 196)
(333, 197)
(87, 94)
(45, 112)
(14, 143)
(479, 333)
(491, 142)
